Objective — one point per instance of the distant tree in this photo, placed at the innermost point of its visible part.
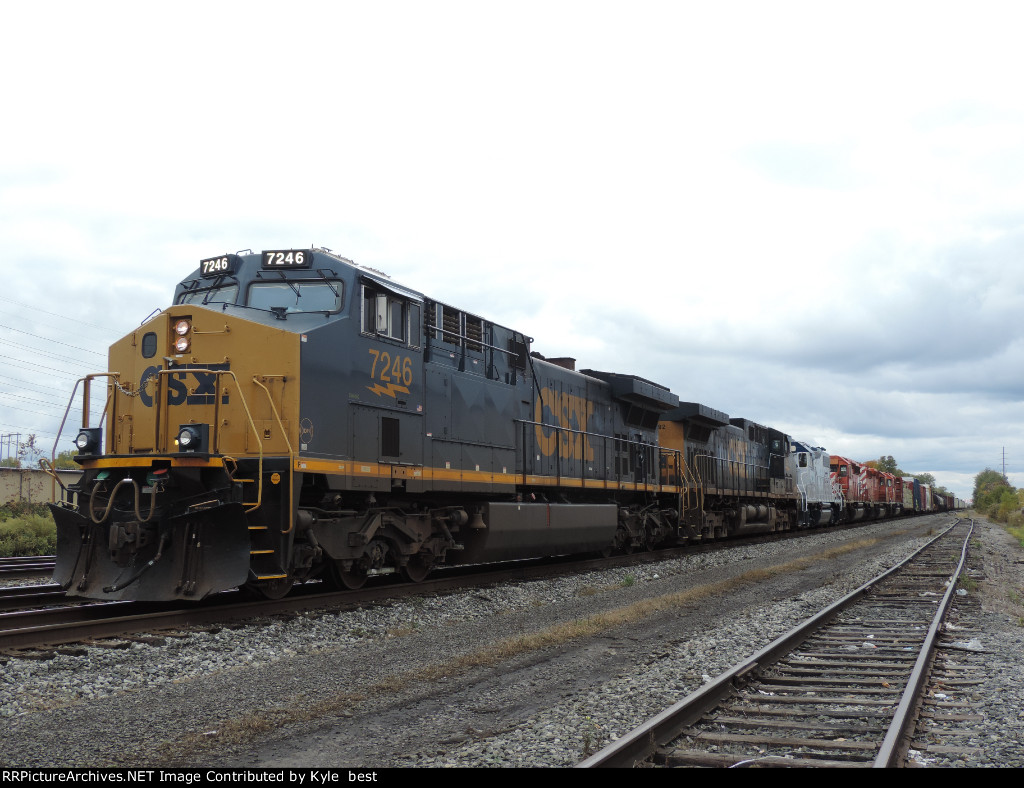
(1007, 505)
(66, 461)
(989, 486)
(925, 478)
(29, 452)
(10, 462)
(887, 464)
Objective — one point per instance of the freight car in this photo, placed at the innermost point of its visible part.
(295, 416)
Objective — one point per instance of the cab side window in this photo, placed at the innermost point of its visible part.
(388, 315)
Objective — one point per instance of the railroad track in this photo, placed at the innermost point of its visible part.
(22, 566)
(842, 689)
(24, 624)
(25, 597)
(26, 628)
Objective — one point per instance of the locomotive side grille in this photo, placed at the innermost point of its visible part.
(474, 333)
(449, 324)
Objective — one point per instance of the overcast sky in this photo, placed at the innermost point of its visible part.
(806, 214)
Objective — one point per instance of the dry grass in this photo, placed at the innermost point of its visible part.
(253, 724)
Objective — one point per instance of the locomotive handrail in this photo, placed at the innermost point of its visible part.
(646, 447)
(431, 327)
(85, 423)
(699, 480)
(719, 463)
(291, 452)
(216, 422)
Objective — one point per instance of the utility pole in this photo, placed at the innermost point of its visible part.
(1004, 462)
(11, 440)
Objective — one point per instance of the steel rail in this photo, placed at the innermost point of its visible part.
(22, 597)
(643, 741)
(26, 565)
(902, 726)
(216, 610)
(137, 617)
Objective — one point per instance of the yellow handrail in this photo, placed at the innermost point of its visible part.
(160, 416)
(291, 452)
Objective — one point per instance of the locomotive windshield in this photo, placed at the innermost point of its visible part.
(296, 296)
(211, 295)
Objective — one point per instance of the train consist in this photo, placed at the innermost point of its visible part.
(295, 416)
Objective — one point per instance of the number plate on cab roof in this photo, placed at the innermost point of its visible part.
(218, 266)
(288, 258)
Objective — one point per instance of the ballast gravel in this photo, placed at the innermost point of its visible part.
(398, 684)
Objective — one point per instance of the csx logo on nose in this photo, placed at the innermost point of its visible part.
(177, 385)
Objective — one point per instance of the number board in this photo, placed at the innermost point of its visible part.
(288, 258)
(218, 266)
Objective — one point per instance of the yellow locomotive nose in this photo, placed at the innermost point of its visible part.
(199, 414)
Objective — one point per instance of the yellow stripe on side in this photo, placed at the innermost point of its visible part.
(147, 459)
(385, 471)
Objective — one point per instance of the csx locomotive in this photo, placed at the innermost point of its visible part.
(296, 416)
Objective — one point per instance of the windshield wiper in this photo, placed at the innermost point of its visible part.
(217, 284)
(323, 273)
(289, 283)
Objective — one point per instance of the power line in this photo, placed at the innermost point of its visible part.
(54, 341)
(54, 314)
(37, 399)
(37, 352)
(37, 433)
(56, 370)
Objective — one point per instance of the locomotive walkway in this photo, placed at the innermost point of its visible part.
(841, 689)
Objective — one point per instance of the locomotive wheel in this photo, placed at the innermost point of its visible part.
(417, 569)
(352, 579)
(275, 589)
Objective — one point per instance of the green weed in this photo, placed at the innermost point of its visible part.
(27, 534)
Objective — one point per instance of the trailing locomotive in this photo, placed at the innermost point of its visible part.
(295, 416)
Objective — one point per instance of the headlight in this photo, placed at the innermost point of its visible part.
(182, 327)
(194, 437)
(89, 440)
(181, 344)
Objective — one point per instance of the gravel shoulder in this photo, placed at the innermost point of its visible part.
(528, 674)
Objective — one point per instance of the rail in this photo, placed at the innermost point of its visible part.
(642, 742)
(903, 721)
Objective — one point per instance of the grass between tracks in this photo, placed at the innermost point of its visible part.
(250, 725)
(27, 529)
(1017, 532)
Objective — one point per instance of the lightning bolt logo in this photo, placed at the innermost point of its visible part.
(390, 390)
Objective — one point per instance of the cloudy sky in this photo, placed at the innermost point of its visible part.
(807, 214)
